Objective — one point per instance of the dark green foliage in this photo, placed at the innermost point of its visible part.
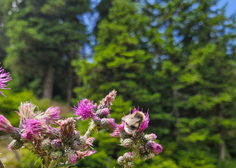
(45, 35)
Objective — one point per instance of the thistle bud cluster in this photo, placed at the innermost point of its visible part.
(100, 115)
(59, 143)
(56, 141)
(127, 160)
(131, 135)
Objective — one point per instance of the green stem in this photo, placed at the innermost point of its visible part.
(91, 128)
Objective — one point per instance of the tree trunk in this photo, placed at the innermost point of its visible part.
(70, 77)
(222, 153)
(48, 83)
(175, 109)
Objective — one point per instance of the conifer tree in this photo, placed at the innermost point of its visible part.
(44, 37)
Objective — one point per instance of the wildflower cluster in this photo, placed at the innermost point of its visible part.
(62, 143)
(130, 131)
(56, 141)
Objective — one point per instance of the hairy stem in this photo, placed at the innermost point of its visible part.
(91, 128)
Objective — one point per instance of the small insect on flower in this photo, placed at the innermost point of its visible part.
(133, 121)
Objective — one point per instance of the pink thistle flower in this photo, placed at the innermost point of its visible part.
(85, 153)
(72, 158)
(56, 144)
(4, 78)
(117, 131)
(34, 128)
(144, 125)
(107, 101)
(153, 147)
(84, 109)
(52, 113)
(5, 124)
(151, 137)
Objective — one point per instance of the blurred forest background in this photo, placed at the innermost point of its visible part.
(176, 58)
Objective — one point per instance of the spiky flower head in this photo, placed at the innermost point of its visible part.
(128, 142)
(101, 113)
(56, 155)
(15, 144)
(71, 155)
(34, 128)
(67, 128)
(5, 124)
(85, 153)
(153, 147)
(119, 131)
(56, 144)
(121, 160)
(150, 137)
(76, 145)
(51, 114)
(84, 109)
(26, 111)
(15, 133)
(145, 123)
(107, 101)
(108, 123)
(128, 157)
(4, 78)
(46, 144)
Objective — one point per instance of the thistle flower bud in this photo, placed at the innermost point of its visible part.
(107, 101)
(46, 144)
(121, 160)
(76, 145)
(15, 133)
(128, 142)
(71, 155)
(56, 155)
(128, 156)
(108, 123)
(130, 164)
(142, 149)
(102, 112)
(67, 128)
(150, 137)
(153, 147)
(56, 144)
(15, 144)
(139, 136)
